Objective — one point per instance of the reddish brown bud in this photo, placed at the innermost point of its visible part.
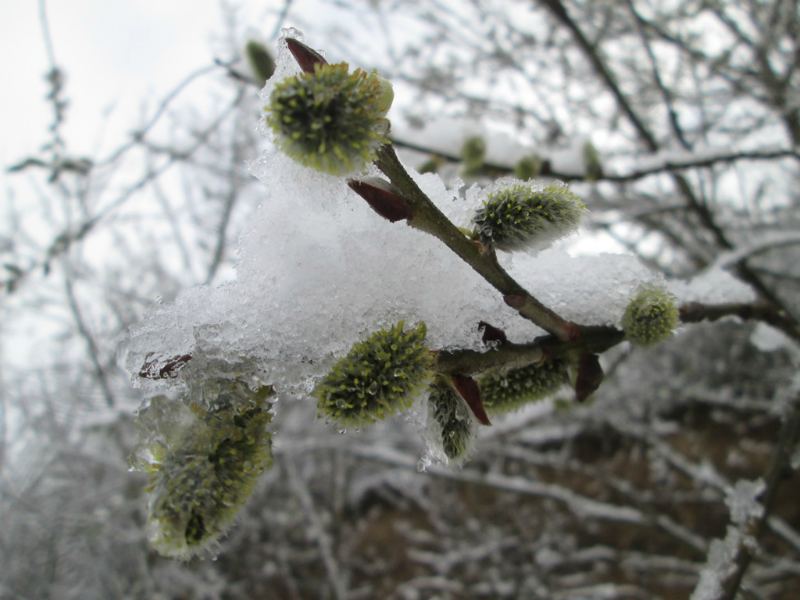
(572, 331)
(306, 57)
(382, 198)
(589, 377)
(468, 389)
(515, 300)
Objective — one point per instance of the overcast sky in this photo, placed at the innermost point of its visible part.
(115, 54)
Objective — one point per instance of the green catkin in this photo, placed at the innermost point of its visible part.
(455, 428)
(528, 167)
(650, 317)
(509, 390)
(473, 155)
(200, 481)
(522, 215)
(331, 120)
(378, 378)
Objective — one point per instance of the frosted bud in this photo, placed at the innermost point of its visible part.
(650, 317)
(473, 154)
(378, 378)
(329, 119)
(510, 390)
(525, 216)
(203, 465)
(451, 423)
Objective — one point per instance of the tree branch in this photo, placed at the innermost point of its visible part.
(430, 219)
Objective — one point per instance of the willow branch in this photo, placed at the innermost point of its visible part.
(695, 312)
(668, 165)
(426, 217)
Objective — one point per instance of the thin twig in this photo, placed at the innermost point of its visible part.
(317, 529)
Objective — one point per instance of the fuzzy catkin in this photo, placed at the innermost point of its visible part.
(329, 119)
(524, 216)
(454, 426)
(377, 378)
(650, 317)
(202, 474)
(506, 391)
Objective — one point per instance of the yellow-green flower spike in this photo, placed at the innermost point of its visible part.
(528, 167)
(454, 426)
(473, 154)
(526, 216)
(650, 317)
(203, 476)
(504, 392)
(330, 119)
(378, 378)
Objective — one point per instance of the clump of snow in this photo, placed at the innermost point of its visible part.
(712, 286)
(719, 566)
(768, 339)
(448, 134)
(586, 289)
(742, 501)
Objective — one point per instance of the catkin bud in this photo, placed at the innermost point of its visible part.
(473, 154)
(525, 216)
(528, 167)
(507, 391)
(377, 378)
(204, 470)
(330, 119)
(452, 425)
(260, 61)
(650, 317)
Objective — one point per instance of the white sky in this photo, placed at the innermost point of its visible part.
(115, 54)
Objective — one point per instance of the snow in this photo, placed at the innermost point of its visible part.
(712, 286)
(586, 289)
(448, 134)
(768, 339)
(742, 501)
(719, 566)
(318, 270)
(756, 246)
